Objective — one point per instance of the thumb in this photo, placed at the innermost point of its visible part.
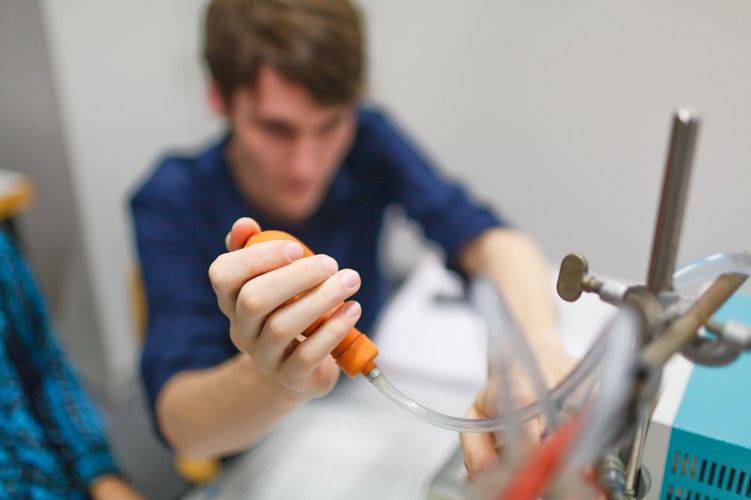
(242, 230)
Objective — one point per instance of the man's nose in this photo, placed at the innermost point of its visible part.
(305, 156)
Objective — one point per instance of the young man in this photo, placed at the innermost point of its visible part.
(51, 440)
(301, 155)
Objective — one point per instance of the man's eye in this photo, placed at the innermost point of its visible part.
(330, 127)
(278, 130)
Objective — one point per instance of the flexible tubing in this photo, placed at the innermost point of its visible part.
(501, 326)
(617, 365)
(492, 424)
(703, 270)
(499, 379)
(692, 274)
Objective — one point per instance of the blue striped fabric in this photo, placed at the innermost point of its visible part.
(52, 443)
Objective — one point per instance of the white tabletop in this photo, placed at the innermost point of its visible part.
(356, 444)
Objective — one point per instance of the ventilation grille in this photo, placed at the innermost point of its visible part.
(724, 480)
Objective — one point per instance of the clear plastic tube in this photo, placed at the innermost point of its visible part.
(703, 270)
(502, 326)
(498, 423)
(690, 275)
(608, 406)
(498, 387)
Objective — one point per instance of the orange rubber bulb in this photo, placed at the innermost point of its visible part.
(356, 353)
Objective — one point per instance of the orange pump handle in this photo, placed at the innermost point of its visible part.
(356, 352)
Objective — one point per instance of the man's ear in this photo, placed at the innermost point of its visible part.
(216, 99)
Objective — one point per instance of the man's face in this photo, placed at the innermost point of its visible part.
(285, 147)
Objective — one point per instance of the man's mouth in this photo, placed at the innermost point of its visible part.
(297, 188)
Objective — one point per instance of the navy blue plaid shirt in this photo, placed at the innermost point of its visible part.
(184, 210)
(51, 440)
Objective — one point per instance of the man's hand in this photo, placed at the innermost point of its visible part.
(111, 487)
(255, 287)
(481, 451)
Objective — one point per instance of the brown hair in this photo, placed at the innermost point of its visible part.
(315, 43)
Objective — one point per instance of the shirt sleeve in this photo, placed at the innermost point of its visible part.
(186, 331)
(444, 209)
(54, 391)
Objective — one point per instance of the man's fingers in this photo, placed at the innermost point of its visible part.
(287, 322)
(230, 271)
(482, 451)
(242, 230)
(479, 448)
(270, 290)
(261, 296)
(302, 362)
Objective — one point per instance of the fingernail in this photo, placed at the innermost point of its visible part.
(353, 309)
(329, 264)
(293, 251)
(350, 279)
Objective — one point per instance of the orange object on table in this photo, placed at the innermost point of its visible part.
(16, 193)
(356, 352)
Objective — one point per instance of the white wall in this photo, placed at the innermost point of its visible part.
(129, 84)
(556, 112)
(31, 141)
(559, 113)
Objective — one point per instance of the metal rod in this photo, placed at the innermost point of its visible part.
(665, 243)
(634, 459)
(672, 200)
